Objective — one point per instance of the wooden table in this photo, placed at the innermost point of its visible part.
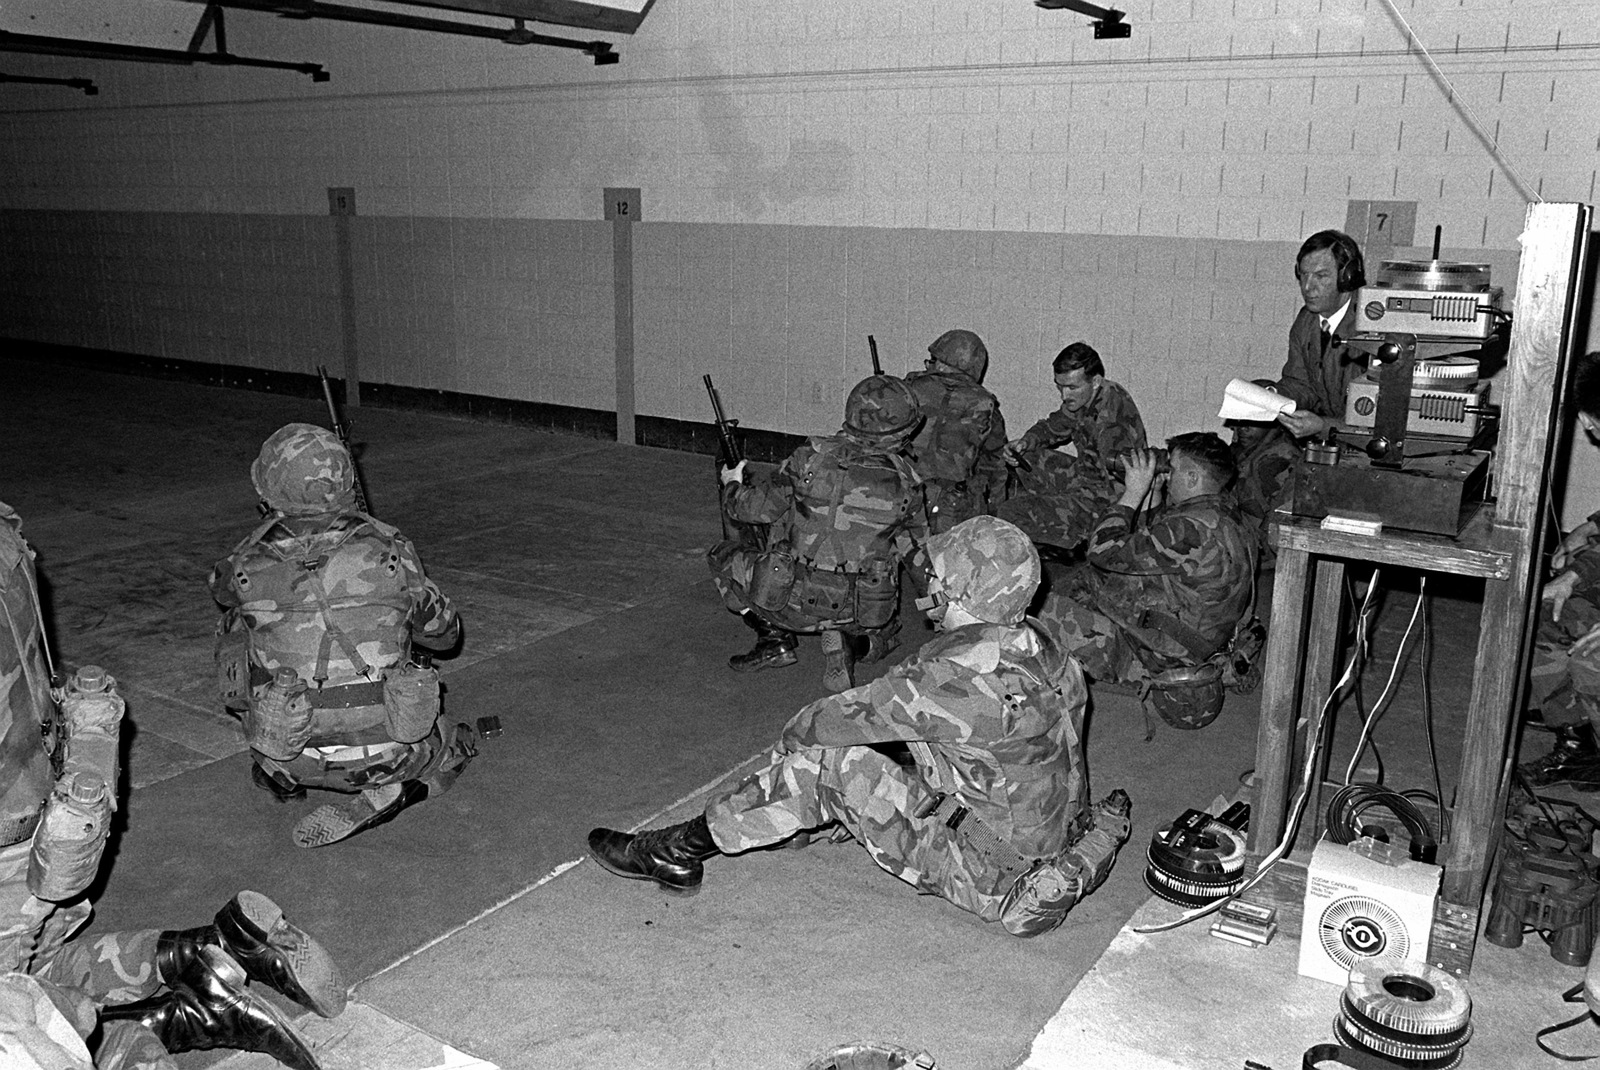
(1307, 601)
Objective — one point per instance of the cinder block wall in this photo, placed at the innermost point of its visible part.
(810, 173)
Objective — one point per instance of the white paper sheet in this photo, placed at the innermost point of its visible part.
(1244, 400)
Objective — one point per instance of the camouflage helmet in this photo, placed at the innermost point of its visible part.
(961, 350)
(988, 567)
(304, 470)
(881, 407)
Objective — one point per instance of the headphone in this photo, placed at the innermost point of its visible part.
(1346, 253)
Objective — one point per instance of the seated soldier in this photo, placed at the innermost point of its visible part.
(1162, 594)
(992, 714)
(842, 510)
(1056, 496)
(1264, 455)
(1564, 680)
(322, 606)
(958, 450)
(142, 994)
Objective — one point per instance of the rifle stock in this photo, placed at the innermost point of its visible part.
(343, 432)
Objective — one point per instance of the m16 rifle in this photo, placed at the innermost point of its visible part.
(343, 432)
(731, 456)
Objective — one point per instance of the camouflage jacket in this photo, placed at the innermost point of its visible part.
(1192, 561)
(336, 598)
(963, 435)
(1266, 468)
(1001, 706)
(836, 503)
(1107, 427)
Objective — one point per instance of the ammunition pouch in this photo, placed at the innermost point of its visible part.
(232, 660)
(410, 701)
(771, 580)
(877, 594)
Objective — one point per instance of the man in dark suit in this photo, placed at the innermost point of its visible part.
(1320, 367)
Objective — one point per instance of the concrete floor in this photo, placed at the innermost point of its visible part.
(593, 630)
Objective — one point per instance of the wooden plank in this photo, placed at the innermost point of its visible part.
(1280, 678)
(1554, 243)
(1469, 555)
(1323, 639)
(1454, 937)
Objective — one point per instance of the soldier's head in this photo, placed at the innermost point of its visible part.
(984, 565)
(1201, 464)
(961, 351)
(881, 410)
(303, 470)
(1079, 374)
(1248, 434)
(1329, 267)
(1586, 392)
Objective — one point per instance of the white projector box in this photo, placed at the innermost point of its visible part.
(1356, 907)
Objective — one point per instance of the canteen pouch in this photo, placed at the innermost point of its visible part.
(771, 580)
(877, 595)
(278, 723)
(410, 702)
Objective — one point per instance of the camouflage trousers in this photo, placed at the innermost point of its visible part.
(874, 798)
(348, 769)
(1566, 689)
(733, 564)
(1057, 502)
(79, 976)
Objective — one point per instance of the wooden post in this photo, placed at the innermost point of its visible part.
(1554, 245)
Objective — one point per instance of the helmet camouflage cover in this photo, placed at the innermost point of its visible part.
(304, 470)
(881, 407)
(961, 350)
(988, 567)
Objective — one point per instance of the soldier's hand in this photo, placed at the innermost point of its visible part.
(1557, 591)
(1576, 540)
(1014, 450)
(1139, 468)
(1588, 644)
(734, 474)
(1304, 424)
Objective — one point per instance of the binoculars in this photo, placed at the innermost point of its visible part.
(1119, 463)
(1547, 891)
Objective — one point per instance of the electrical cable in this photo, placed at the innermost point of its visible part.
(1427, 716)
(1402, 654)
(1315, 741)
(1456, 98)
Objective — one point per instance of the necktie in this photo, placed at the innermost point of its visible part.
(1326, 336)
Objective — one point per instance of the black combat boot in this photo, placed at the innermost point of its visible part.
(874, 645)
(1574, 760)
(369, 809)
(210, 1008)
(253, 931)
(671, 856)
(838, 665)
(282, 788)
(774, 647)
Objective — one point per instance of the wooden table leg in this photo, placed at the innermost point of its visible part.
(1324, 637)
(1280, 679)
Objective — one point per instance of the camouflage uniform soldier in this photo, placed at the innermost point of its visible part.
(147, 992)
(991, 710)
(1564, 679)
(843, 511)
(1057, 496)
(1165, 594)
(959, 449)
(1264, 454)
(322, 606)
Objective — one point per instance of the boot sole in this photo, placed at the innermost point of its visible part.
(670, 889)
(310, 965)
(770, 663)
(334, 821)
